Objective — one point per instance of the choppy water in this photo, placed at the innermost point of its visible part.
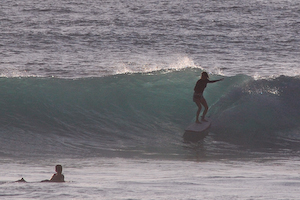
(155, 179)
(105, 89)
(96, 38)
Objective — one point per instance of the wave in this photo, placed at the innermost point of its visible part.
(142, 113)
(260, 112)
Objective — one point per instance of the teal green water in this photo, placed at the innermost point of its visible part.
(145, 112)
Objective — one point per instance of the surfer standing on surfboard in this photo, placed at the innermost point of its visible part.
(198, 95)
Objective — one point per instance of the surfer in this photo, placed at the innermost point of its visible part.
(58, 177)
(198, 95)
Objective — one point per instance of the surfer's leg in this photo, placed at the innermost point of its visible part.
(198, 111)
(204, 103)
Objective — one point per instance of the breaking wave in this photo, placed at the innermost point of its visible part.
(142, 113)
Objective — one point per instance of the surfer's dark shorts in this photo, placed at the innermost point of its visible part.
(197, 97)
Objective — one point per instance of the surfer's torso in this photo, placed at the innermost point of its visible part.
(200, 86)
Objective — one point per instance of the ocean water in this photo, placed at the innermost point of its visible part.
(104, 88)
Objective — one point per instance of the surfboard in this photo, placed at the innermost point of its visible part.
(197, 127)
(196, 132)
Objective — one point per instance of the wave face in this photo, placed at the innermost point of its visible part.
(142, 114)
(259, 112)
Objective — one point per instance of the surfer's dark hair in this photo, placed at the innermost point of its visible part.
(204, 74)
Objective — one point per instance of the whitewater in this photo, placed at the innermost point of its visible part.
(104, 88)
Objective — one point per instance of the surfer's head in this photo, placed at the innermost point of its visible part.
(58, 169)
(204, 75)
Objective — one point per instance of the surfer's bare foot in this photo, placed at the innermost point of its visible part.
(198, 122)
(204, 120)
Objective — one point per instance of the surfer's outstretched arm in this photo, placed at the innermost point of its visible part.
(216, 80)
